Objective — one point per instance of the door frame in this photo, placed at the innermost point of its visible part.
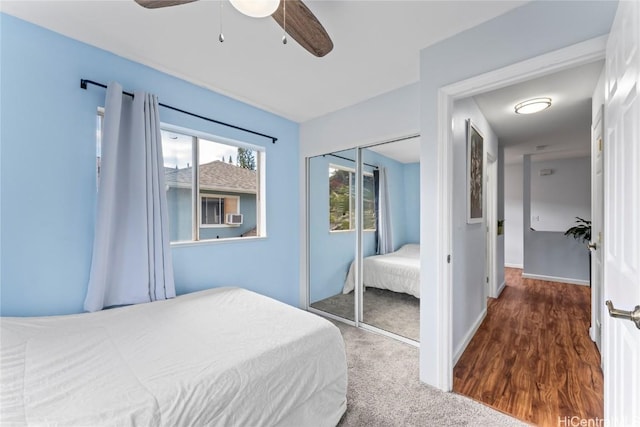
(491, 226)
(569, 57)
(597, 214)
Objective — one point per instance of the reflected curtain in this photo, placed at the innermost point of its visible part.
(131, 261)
(385, 231)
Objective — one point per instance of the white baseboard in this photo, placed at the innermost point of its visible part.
(501, 288)
(509, 265)
(556, 279)
(467, 338)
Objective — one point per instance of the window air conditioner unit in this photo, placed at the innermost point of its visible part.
(234, 219)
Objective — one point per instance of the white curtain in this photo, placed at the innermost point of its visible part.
(385, 231)
(131, 257)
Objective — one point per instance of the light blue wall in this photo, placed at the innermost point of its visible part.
(331, 254)
(505, 40)
(412, 202)
(48, 175)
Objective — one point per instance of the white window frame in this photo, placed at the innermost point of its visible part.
(261, 205)
(261, 191)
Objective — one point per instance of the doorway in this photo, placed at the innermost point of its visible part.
(555, 184)
(567, 58)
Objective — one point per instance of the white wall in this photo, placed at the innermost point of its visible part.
(558, 198)
(384, 117)
(598, 96)
(469, 240)
(513, 243)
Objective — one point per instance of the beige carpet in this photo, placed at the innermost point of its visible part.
(384, 389)
(392, 311)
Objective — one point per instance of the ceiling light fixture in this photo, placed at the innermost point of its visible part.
(256, 8)
(534, 105)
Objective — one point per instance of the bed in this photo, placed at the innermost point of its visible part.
(225, 356)
(398, 271)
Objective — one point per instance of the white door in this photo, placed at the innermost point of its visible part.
(621, 244)
(491, 226)
(597, 213)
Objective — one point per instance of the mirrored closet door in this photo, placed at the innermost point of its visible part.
(390, 246)
(384, 193)
(331, 186)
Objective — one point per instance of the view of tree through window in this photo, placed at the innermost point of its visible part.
(342, 189)
(341, 199)
(227, 203)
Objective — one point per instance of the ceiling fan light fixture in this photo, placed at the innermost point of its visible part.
(533, 105)
(256, 8)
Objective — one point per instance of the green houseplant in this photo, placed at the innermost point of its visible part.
(580, 231)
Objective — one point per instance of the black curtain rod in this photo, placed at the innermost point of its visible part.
(84, 82)
(346, 158)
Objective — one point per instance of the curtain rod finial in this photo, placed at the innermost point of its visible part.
(83, 83)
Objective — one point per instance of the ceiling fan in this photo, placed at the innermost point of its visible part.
(301, 23)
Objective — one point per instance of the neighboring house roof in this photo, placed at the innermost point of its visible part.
(215, 176)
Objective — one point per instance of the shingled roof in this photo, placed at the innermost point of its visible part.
(215, 176)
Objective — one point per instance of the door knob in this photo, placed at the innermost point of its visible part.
(593, 246)
(634, 315)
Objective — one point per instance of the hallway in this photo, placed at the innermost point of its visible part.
(532, 357)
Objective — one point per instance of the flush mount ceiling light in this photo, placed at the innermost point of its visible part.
(256, 8)
(534, 105)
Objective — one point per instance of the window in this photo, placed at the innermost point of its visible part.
(214, 210)
(342, 207)
(225, 181)
(214, 186)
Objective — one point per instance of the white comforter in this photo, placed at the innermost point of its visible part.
(224, 356)
(398, 271)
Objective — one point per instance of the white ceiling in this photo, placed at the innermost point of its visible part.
(403, 151)
(377, 45)
(563, 130)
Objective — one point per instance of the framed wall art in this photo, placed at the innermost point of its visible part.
(475, 174)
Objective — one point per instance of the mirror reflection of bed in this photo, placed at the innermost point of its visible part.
(390, 235)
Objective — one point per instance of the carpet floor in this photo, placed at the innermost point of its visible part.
(391, 311)
(384, 389)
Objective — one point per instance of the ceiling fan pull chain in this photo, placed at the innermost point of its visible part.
(221, 36)
(284, 27)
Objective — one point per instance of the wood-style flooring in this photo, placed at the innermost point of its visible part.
(532, 356)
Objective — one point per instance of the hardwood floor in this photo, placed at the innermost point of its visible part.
(532, 356)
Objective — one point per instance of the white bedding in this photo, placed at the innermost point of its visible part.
(224, 356)
(398, 271)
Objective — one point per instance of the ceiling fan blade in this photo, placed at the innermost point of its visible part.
(304, 27)
(155, 4)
